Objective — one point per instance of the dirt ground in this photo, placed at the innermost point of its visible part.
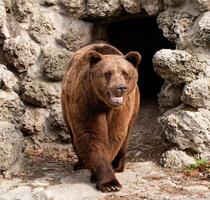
(48, 171)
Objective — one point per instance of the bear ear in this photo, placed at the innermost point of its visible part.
(93, 57)
(133, 57)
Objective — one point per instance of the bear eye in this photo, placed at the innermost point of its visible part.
(108, 74)
(125, 74)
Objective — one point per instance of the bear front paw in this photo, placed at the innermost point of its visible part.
(109, 186)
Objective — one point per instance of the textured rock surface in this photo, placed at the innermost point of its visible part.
(21, 9)
(197, 93)
(187, 128)
(173, 2)
(10, 27)
(55, 63)
(152, 7)
(57, 122)
(202, 5)
(100, 8)
(33, 121)
(177, 66)
(200, 33)
(175, 25)
(11, 107)
(169, 96)
(41, 27)
(132, 6)
(176, 159)
(2, 20)
(78, 35)
(10, 145)
(76, 8)
(7, 78)
(39, 93)
(20, 53)
(6, 3)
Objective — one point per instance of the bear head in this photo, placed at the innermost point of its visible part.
(113, 77)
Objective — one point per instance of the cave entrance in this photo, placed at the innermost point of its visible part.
(144, 36)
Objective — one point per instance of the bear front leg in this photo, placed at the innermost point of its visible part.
(118, 163)
(95, 157)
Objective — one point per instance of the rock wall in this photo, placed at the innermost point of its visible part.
(184, 98)
(38, 37)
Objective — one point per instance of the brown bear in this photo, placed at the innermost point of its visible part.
(100, 101)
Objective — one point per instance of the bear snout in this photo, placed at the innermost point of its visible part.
(121, 89)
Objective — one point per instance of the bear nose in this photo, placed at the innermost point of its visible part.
(121, 88)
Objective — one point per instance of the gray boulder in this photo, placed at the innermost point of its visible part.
(12, 108)
(169, 96)
(177, 66)
(175, 158)
(10, 27)
(10, 145)
(200, 34)
(76, 8)
(187, 128)
(21, 9)
(33, 121)
(78, 35)
(197, 93)
(55, 63)
(39, 93)
(176, 25)
(201, 5)
(132, 6)
(101, 8)
(7, 78)
(20, 53)
(152, 7)
(41, 28)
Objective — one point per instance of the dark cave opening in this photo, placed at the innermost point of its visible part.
(144, 36)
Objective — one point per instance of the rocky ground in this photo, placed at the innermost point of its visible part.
(48, 172)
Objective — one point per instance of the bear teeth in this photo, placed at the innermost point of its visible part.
(118, 100)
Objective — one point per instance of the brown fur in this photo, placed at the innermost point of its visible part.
(99, 126)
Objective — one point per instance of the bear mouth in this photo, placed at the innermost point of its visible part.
(116, 100)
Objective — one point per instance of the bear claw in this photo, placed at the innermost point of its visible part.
(112, 186)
